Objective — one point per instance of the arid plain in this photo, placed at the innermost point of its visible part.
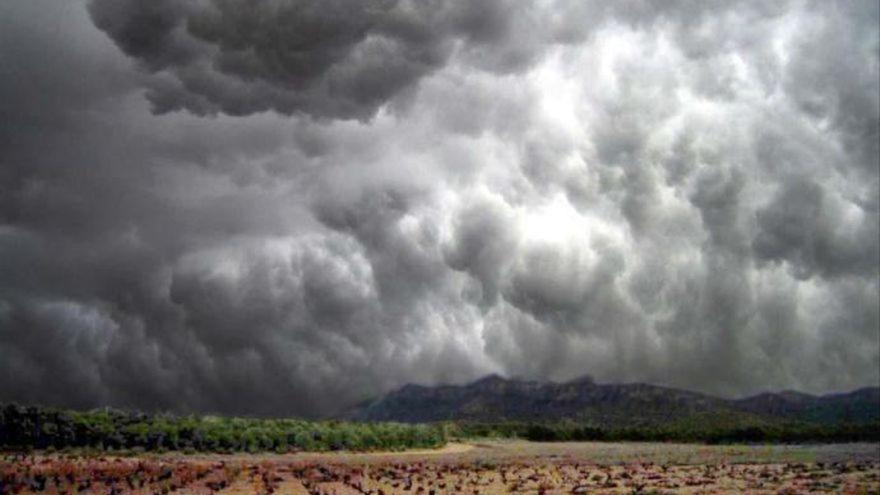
(490, 467)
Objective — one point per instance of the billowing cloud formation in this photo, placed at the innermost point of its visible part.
(285, 207)
(341, 59)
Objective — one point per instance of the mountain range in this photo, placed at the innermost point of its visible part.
(497, 399)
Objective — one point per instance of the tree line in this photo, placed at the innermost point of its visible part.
(35, 427)
(565, 431)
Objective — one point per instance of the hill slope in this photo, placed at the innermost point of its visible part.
(494, 399)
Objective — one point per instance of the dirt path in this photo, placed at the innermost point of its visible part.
(448, 449)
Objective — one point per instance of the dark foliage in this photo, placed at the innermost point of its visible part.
(107, 429)
(706, 432)
(36, 427)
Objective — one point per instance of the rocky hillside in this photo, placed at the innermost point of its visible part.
(494, 399)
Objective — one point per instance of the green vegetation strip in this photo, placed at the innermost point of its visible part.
(107, 429)
(705, 431)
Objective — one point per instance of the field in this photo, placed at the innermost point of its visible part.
(475, 468)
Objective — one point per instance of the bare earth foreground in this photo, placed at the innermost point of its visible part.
(480, 468)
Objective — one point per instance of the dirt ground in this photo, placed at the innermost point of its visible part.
(491, 467)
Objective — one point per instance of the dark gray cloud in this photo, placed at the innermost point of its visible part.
(812, 232)
(285, 207)
(342, 58)
(338, 59)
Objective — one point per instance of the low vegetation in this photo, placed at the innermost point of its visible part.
(108, 429)
(702, 433)
(508, 467)
(25, 428)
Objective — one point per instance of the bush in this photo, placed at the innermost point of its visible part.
(43, 428)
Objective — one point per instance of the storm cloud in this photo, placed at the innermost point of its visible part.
(289, 206)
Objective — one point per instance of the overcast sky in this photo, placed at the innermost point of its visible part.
(288, 206)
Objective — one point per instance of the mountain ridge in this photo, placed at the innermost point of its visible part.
(493, 398)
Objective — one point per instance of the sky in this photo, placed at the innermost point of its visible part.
(286, 207)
